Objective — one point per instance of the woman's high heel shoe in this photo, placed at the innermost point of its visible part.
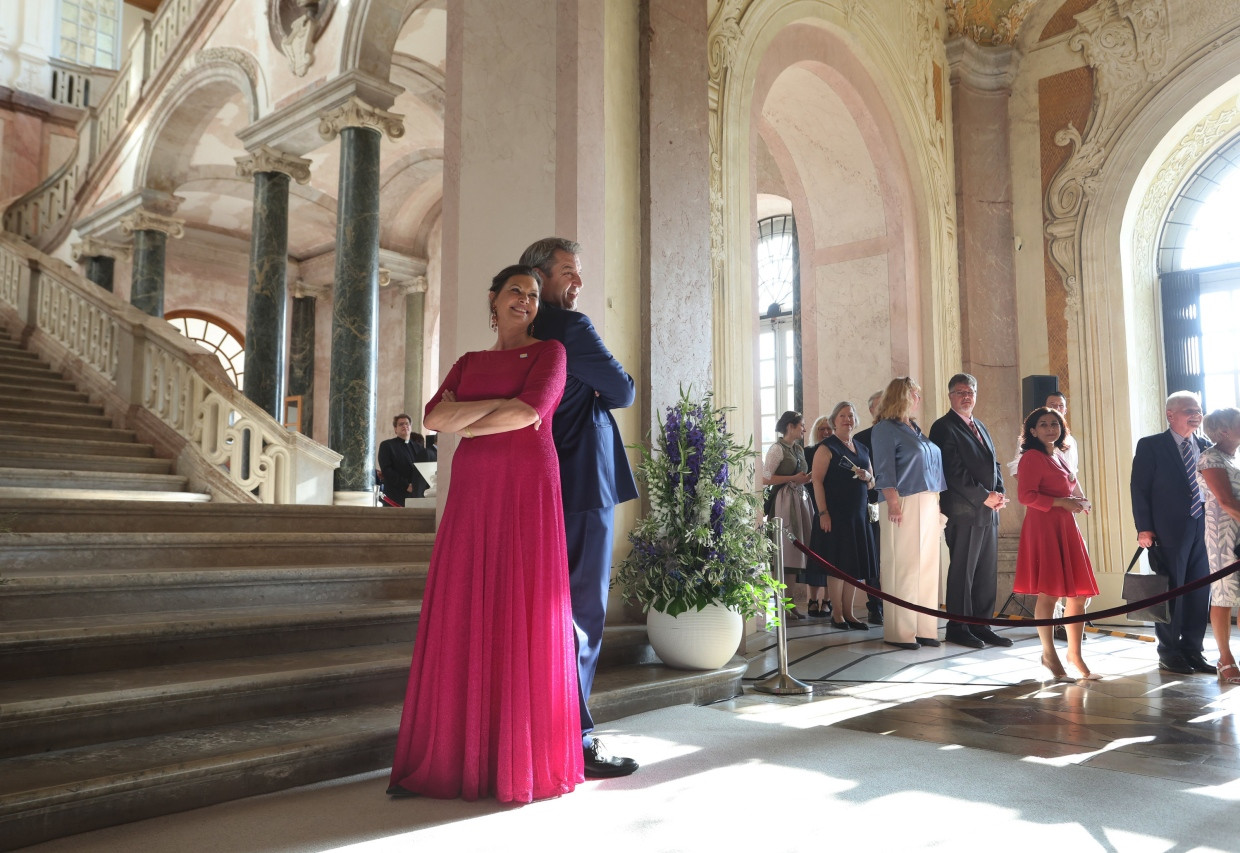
(1233, 678)
(1057, 671)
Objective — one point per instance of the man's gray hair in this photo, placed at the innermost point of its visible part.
(542, 253)
(1183, 397)
(962, 379)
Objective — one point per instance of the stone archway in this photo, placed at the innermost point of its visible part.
(891, 92)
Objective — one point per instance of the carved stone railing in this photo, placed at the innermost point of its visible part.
(147, 374)
(37, 214)
(76, 85)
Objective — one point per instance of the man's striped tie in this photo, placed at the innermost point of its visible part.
(1186, 453)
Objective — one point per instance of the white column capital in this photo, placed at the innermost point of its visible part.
(264, 158)
(144, 220)
(357, 113)
(93, 247)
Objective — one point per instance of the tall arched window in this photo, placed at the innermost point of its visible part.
(1199, 262)
(215, 336)
(779, 334)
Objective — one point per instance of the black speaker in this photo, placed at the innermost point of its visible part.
(1034, 391)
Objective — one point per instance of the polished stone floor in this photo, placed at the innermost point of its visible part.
(1134, 720)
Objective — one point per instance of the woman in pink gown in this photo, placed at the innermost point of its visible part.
(491, 708)
(1051, 561)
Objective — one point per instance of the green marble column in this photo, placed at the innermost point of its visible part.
(355, 312)
(267, 305)
(301, 360)
(99, 269)
(149, 252)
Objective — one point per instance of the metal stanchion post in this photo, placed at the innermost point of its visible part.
(781, 683)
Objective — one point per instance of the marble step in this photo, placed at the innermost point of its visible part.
(49, 405)
(53, 517)
(31, 372)
(43, 444)
(32, 493)
(64, 391)
(67, 432)
(16, 355)
(71, 480)
(82, 591)
(33, 648)
(37, 553)
(77, 710)
(70, 791)
(83, 462)
(58, 794)
(24, 412)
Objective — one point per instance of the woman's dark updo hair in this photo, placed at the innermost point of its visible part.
(1029, 441)
(786, 420)
(501, 278)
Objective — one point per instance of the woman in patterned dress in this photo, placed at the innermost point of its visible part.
(1219, 469)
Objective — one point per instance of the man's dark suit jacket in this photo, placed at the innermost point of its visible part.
(594, 471)
(396, 462)
(1161, 498)
(970, 468)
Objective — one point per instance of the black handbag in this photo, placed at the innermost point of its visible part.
(1139, 586)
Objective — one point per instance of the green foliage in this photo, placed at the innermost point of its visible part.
(702, 542)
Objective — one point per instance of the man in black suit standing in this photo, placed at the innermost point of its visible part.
(1167, 505)
(594, 471)
(401, 479)
(971, 503)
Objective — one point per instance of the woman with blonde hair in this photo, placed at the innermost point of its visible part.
(908, 469)
(1219, 469)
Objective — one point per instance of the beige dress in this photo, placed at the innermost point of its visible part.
(1221, 528)
(792, 500)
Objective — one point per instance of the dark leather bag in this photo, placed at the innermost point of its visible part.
(1139, 586)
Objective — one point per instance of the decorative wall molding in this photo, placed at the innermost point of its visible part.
(357, 113)
(144, 220)
(268, 159)
(1125, 42)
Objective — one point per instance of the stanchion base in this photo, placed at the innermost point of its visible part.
(783, 684)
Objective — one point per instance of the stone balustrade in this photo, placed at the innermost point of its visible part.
(41, 210)
(148, 365)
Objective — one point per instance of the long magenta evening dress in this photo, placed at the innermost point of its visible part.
(491, 708)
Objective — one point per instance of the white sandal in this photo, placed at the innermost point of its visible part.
(1229, 679)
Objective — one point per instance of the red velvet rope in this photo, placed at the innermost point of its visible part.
(1037, 623)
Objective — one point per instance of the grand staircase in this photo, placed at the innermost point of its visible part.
(159, 652)
(55, 443)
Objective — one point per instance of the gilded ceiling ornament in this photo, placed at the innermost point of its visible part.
(144, 220)
(987, 22)
(267, 159)
(357, 113)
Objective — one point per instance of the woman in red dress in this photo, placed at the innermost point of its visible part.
(491, 708)
(1052, 562)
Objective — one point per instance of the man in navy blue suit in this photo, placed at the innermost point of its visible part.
(594, 471)
(1168, 509)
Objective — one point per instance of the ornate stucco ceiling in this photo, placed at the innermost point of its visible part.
(988, 22)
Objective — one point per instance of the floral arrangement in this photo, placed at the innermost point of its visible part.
(702, 542)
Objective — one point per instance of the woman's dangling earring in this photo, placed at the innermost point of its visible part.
(494, 320)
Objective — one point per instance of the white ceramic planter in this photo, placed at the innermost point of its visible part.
(704, 639)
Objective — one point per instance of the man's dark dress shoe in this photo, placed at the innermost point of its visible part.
(875, 618)
(1176, 665)
(601, 764)
(1198, 664)
(396, 792)
(987, 636)
(962, 636)
(928, 641)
